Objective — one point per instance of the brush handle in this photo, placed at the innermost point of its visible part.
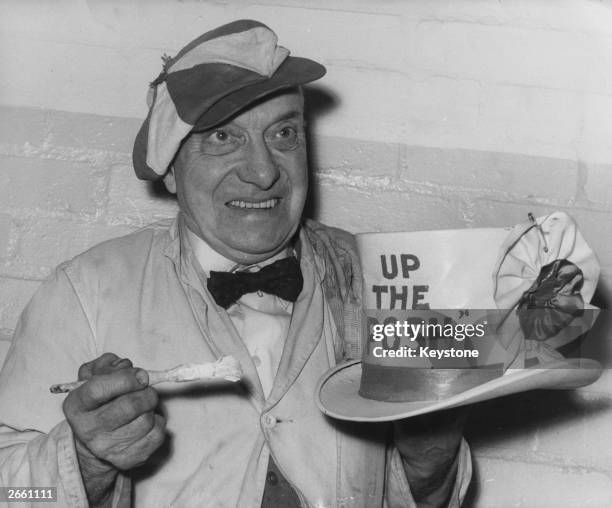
(226, 367)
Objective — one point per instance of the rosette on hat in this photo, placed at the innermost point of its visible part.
(547, 274)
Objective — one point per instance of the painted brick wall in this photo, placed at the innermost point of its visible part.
(433, 115)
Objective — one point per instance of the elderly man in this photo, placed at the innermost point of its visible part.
(225, 131)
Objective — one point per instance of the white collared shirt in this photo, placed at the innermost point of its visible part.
(261, 320)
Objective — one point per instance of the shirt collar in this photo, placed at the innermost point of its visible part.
(211, 260)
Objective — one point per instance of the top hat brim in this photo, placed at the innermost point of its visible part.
(337, 393)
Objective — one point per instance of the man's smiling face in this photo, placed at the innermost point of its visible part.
(242, 185)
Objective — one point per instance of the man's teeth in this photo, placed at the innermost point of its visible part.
(270, 203)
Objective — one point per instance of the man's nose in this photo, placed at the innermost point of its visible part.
(260, 168)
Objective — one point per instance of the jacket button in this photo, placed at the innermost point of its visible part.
(272, 478)
(269, 421)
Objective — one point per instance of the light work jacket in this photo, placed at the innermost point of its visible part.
(143, 297)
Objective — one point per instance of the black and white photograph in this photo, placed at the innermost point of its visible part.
(305, 254)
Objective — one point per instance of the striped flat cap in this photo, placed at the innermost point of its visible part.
(209, 80)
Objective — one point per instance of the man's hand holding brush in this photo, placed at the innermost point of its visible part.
(111, 410)
(114, 423)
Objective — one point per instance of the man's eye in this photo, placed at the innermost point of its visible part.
(285, 138)
(287, 132)
(219, 136)
(220, 142)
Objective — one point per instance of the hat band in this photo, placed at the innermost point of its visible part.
(406, 384)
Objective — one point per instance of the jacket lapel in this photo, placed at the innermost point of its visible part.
(215, 325)
(306, 328)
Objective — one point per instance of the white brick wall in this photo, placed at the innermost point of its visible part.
(443, 115)
(506, 483)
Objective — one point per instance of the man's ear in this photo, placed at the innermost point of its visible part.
(170, 180)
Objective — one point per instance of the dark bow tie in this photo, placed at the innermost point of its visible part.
(282, 278)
